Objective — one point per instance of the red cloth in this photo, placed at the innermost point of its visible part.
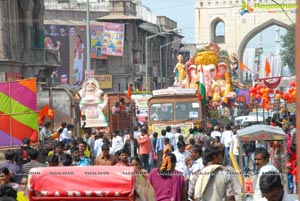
(167, 188)
(295, 174)
(34, 137)
(290, 166)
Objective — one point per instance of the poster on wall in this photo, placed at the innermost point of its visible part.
(56, 37)
(113, 39)
(96, 41)
(77, 49)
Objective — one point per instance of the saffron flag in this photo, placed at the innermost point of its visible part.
(243, 66)
(18, 111)
(129, 91)
(42, 114)
(202, 87)
(267, 68)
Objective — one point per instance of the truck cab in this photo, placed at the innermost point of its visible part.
(175, 107)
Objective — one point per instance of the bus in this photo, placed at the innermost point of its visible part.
(175, 107)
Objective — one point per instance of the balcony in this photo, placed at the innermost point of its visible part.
(45, 56)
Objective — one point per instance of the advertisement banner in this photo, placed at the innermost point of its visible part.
(141, 102)
(185, 127)
(96, 42)
(77, 36)
(105, 81)
(56, 37)
(113, 39)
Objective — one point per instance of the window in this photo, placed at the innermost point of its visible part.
(218, 31)
(161, 112)
(187, 110)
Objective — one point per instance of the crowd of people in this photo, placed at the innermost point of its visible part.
(179, 167)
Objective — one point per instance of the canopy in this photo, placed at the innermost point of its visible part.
(87, 183)
(261, 132)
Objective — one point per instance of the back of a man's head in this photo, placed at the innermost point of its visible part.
(33, 154)
(10, 155)
(26, 141)
(168, 128)
(163, 132)
(7, 193)
(209, 154)
(270, 186)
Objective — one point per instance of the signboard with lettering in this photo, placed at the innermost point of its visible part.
(88, 183)
(174, 91)
(184, 128)
(105, 81)
(262, 136)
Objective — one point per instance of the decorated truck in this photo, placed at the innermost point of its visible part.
(175, 107)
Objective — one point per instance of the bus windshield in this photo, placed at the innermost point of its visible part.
(161, 112)
(187, 110)
(183, 111)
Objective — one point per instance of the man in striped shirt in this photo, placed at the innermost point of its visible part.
(34, 163)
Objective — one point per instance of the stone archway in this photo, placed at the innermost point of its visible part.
(256, 30)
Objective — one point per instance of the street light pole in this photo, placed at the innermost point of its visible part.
(88, 49)
(146, 52)
(160, 55)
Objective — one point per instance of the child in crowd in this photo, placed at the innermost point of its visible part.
(21, 195)
(167, 148)
(296, 177)
(290, 169)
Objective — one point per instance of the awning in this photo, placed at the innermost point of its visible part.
(261, 132)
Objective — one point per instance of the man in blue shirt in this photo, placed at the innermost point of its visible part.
(160, 146)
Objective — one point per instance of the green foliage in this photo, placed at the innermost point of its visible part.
(224, 53)
(141, 92)
(288, 48)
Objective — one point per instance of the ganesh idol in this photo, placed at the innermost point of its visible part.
(216, 74)
(92, 103)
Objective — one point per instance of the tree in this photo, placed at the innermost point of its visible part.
(288, 48)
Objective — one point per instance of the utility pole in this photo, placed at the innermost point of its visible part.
(88, 48)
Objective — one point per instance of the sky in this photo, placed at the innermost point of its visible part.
(181, 11)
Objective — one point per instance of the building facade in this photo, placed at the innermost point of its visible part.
(141, 25)
(22, 52)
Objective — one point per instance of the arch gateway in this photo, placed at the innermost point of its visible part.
(242, 20)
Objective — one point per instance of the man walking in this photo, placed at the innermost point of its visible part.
(145, 146)
(261, 159)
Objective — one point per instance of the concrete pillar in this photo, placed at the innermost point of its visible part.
(297, 65)
(2, 51)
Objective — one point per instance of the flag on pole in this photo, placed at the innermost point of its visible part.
(267, 68)
(243, 66)
(129, 91)
(202, 87)
(42, 114)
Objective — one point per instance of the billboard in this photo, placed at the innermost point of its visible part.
(113, 38)
(77, 49)
(56, 37)
(96, 42)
